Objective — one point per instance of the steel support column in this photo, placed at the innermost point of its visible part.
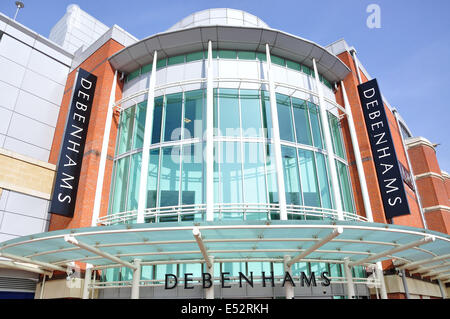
(142, 203)
(288, 287)
(209, 157)
(276, 138)
(405, 284)
(329, 145)
(104, 154)
(209, 292)
(349, 279)
(136, 279)
(87, 281)
(357, 152)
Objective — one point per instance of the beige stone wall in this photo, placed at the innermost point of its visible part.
(61, 288)
(26, 175)
(416, 287)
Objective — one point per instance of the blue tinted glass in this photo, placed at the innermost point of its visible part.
(285, 118)
(157, 118)
(192, 175)
(309, 178)
(254, 178)
(133, 184)
(231, 172)
(229, 112)
(193, 108)
(323, 181)
(139, 125)
(172, 118)
(169, 182)
(315, 125)
(152, 179)
(267, 114)
(291, 176)
(251, 113)
(302, 127)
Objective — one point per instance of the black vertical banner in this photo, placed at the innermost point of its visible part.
(387, 166)
(72, 149)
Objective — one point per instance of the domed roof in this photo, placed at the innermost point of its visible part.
(220, 16)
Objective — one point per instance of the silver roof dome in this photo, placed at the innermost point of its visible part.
(220, 16)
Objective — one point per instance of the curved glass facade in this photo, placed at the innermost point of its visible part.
(245, 176)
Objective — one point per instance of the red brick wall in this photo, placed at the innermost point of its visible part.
(351, 86)
(433, 189)
(97, 64)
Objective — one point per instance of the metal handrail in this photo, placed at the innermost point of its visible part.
(197, 212)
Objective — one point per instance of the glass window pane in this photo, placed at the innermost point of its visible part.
(291, 176)
(261, 56)
(293, 65)
(285, 118)
(323, 181)
(162, 270)
(193, 108)
(126, 130)
(139, 125)
(157, 118)
(306, 70)
(309, 178)
(172, 117)
(254, 177)
(234, 269)
(251, 113)
(192, 175)
(161, 63)
(152, 179)
(267, 114)
(315, 125)
(175, 60)
(277, 60)
(346, 192)
(194, 269)
(247, 55)
(169, 182)
(133, 185)
(133, 75)
(336, 270)
(302, 128)
(229, 112)
(120, 187)
(227, 54)
(146, 68)
(258, 267)
(335, 127)
(195, 56)
(298, 268)
(271, 174)
(230, 172)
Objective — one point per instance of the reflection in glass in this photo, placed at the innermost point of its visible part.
(315, 125)
(172, 117)
(291, 176)
(169, 182)
(302, 127)
(285, 117)
(309, 179)
(251, 113)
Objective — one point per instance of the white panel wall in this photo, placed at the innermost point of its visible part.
(21, 215)
(32, 80)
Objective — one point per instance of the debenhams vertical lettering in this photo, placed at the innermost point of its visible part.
(72, 149)
(389, 176)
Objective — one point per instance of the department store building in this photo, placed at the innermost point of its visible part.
(221, 158)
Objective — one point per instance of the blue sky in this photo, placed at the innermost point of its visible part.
(409, 54)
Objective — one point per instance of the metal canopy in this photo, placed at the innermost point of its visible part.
(229, 37)
(165, 242)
